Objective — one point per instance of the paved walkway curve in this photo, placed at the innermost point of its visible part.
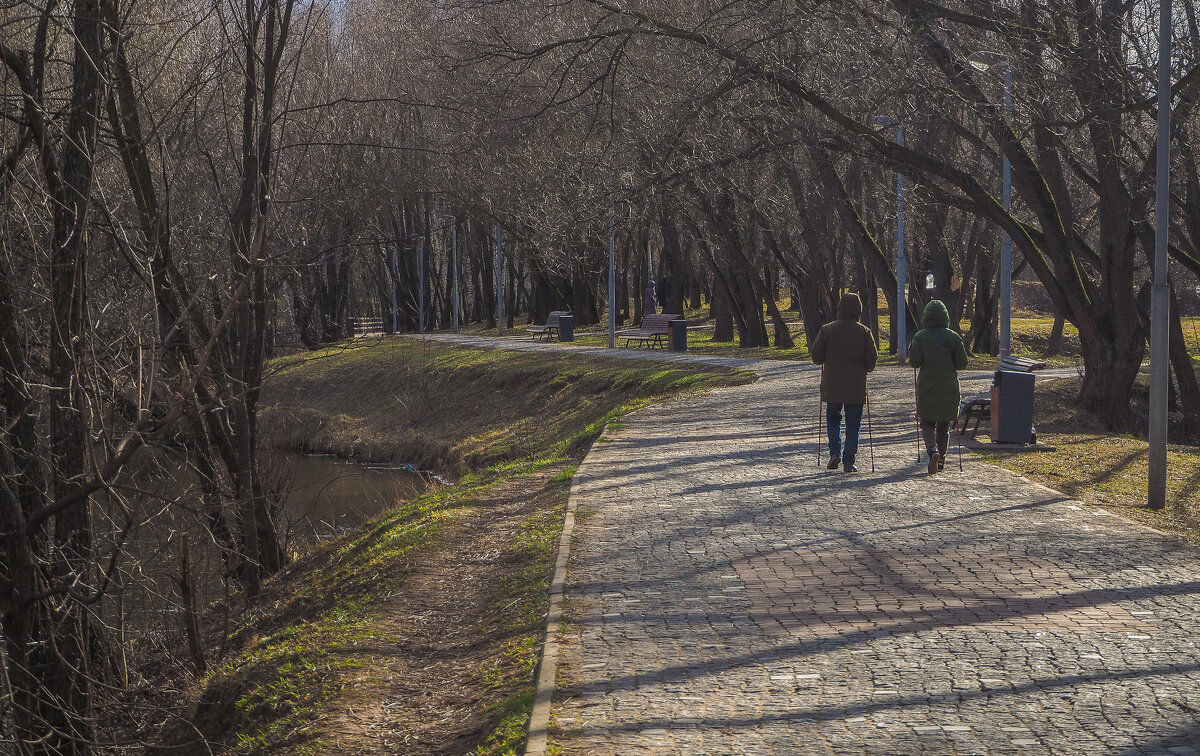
(728, 595)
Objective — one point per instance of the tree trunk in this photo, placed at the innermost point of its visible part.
(783, 337)
(1111, 364)
(1056, 335)
(983, 324)
(64, 661)
(673, 264)
(1185, 372)
(488, 273)
(721, 315)
(511, 298)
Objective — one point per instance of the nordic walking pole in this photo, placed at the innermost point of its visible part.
(870, 435)
(958, 440)
(917, 414)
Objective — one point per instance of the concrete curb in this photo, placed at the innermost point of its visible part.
(539, 719)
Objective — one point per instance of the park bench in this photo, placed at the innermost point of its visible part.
(976, 409)
(1020, 364)
(652, 332)
(550, 327)
(361, 326)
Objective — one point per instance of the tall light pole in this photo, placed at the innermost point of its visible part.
(650, 252)
(395, 279)
(499, 280)
(982, 61)
(1160, 294)
(453, 266)
(612, 275)
(421, 286)
(901, 314)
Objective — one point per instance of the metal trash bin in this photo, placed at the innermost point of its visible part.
(1012, 407)
(566, 327)
(677, 338)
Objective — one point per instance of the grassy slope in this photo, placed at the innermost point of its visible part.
(325, 638)
(454, 409)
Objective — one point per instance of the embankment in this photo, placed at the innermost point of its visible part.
(418, 633)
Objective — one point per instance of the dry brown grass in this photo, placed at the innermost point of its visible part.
(1103, 468)
(451, 409)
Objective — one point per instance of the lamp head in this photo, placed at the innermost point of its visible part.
(982, 60)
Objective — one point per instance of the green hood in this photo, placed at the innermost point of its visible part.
(936, 315)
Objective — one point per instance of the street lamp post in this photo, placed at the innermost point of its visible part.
(453, 266)
(421, 286)
(612, 276)
(901, 314)
(982, 61)
(650, 253)
(393, 285)
(499, 280)
(1160, 293)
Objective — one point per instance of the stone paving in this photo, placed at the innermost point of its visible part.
(728, 595)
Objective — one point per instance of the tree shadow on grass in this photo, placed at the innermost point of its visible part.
(1190, 489)
(1114, 469)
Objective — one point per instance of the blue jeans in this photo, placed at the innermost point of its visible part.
(833, 421)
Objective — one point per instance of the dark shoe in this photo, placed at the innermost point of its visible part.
(833, 463)
(934, 460)
(941, 463)
(851, 467)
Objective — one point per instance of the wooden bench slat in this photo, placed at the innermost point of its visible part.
(975, 408)
(1020, 364)
(365, 325)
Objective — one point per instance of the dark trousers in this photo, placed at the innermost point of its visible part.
(833, 422)
(942, 442)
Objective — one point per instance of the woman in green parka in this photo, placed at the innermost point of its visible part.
(939, 354)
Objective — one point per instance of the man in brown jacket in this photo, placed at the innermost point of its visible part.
(846, 351)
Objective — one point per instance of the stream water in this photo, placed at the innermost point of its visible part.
(327, 496)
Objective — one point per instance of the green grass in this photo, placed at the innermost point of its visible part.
(508, 737)
(299, 652)
(520, 608)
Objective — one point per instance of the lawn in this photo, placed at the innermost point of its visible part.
(1103, 468)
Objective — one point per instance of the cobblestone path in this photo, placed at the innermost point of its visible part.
(728, 595)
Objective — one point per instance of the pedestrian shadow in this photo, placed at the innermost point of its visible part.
(797, 650)
(674, 441)
(802, 454)
(811, 489)
(998, 608)
(1184, 736)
